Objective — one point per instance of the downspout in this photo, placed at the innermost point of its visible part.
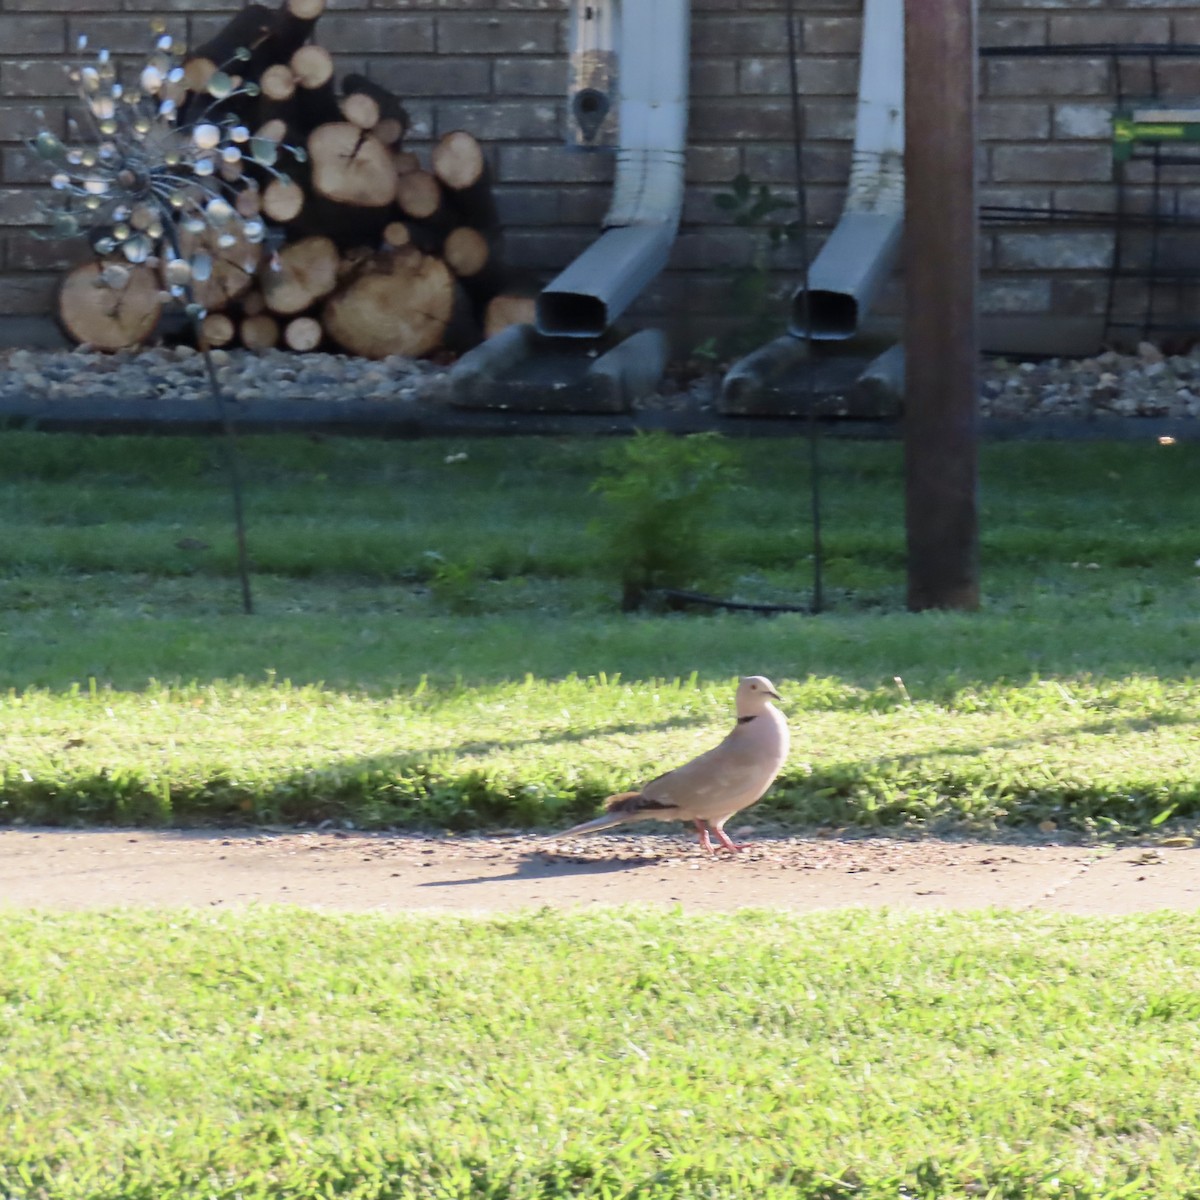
(648, 190)
(860, 253)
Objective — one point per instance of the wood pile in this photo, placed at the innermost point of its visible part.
(375, 253)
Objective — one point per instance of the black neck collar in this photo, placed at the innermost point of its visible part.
(746, 720)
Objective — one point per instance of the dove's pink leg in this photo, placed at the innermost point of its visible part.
(723, 838)
(702, 830)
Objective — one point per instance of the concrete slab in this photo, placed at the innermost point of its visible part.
(57, 869)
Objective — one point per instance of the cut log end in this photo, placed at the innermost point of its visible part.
(260, 332)
(360, 110)
(283, 200)
(274, 130)
(459, 163)
(399, 234)
(107, 317)
(303, 334)
(458, 160)
(233, 269)
(304, 272)
(466, 251)
(197, 72)
(505, 310)
(305, 10)
(350, 166)
(402, 307)
(216, 330)
(278, 82)
(396, 234)
(312, 66)
(392, 114)
(249, 201)
(418, 194)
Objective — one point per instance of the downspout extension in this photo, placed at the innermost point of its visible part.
(647, 199)
(858, 257)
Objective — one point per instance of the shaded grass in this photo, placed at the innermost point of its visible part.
(849, 1054)
(521, 506)
(404, 600)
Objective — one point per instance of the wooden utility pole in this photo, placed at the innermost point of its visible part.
(940, 327)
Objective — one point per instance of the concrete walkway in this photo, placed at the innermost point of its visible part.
(380, 872)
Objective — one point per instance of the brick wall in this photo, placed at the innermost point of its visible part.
(498, 67)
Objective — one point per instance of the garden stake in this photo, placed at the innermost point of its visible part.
(814, 431)
(229, 435)
(139, 172)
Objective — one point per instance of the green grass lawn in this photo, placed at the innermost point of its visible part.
(436, 644)
(861, 1055)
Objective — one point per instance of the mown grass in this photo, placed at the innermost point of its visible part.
(436, 645)
(852, 1054)
(515, 512)
(1091, 755)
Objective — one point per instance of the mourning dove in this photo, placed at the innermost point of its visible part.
(718, 783)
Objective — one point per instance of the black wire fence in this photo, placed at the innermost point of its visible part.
(1153, 273)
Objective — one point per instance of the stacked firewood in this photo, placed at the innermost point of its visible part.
(374, 253)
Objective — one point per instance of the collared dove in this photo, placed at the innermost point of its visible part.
(718, 783)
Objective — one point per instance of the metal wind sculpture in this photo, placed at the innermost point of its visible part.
(155, 176)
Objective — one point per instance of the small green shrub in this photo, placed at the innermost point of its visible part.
(658, 492)
(454, 586)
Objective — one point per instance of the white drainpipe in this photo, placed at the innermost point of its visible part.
(860, 253)
(648, 190)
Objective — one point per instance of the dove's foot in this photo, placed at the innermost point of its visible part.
(704, 829)
(725, 841)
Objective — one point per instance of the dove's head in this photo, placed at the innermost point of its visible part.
(754, 693)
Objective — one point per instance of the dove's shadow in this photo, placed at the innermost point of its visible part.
(540, 865)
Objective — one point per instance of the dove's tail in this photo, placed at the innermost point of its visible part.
(605, 822)
(623, 808)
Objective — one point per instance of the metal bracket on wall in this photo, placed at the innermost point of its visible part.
(593, 37)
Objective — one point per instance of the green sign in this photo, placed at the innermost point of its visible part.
(1127, 132)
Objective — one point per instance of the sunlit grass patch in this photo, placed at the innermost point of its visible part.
(851, 1054)
(437, 642)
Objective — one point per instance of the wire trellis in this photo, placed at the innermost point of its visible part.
(1128, 223)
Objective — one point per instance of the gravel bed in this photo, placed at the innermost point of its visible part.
(1144, 384)
(179, 374)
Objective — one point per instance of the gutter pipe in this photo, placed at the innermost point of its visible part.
(642, 220)
(858, 257)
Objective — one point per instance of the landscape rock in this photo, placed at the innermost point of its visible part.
(1146, 383)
